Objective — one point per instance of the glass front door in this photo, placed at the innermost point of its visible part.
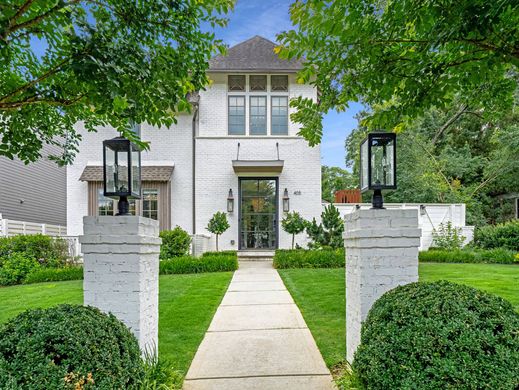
(258, 213)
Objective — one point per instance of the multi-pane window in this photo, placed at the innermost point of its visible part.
(236, 83)
(237, 115)
(258, 115)
(279, 115)
(150, 204)
(258, 83)
(105, 206)
(279, 83)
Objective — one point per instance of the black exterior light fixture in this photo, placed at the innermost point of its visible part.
(121, 172)
(230, 201)
(378, 165)
(286, 201)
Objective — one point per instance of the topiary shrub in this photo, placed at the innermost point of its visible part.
(68, 347)
(439, 335)
(175, 243)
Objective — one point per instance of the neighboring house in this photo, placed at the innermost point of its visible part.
(239, 138)
(35, 192)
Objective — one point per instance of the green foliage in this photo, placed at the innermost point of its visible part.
(175, 243)
(60, 347)
(439, 335)
(327, 234)
(40, 275)
(334, 179)
(469, 255)
(447, 236)
(159, 374)
(15, 268)
(218, 224)
(48, 251)
(505, 235)
(221, 253)
(302, 258)
(293, 224)
(402, 57)
(193, 265)
(105, 63)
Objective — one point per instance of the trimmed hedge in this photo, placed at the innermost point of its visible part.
(175, 243)
(220, 253)
(54, 275)
(303, 258)
(496, 256)
(68, 347)
(193, 265)
(439, 335)
(504, 235)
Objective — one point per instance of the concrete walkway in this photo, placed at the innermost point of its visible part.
(258, 339)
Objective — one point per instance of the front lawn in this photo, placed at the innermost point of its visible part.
(320, 295)
(187, 304)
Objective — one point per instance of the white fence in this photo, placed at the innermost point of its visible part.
(430, 216)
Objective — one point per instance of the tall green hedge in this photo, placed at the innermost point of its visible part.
(303, 258)
(439, 335)
(193, 265)
(470, 255)
(504, 235)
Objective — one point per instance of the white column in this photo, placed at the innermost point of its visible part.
(121, 269)
(381, 254)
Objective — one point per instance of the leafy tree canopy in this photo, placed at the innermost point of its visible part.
(334, 179)
(293, 224)
(105, 63)
(402, 57)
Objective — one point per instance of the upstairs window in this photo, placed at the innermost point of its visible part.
(258, 83)
(279, 83)
(236, 83)
(258, 115)
(237, 115)
(279, 115)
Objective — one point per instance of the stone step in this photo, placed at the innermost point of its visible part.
(255, 255)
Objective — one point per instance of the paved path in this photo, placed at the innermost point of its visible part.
(258, 339)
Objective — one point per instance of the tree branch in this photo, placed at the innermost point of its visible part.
(20, 11)
(448, 123)
(7, 106)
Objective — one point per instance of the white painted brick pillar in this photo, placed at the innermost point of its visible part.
(121, 272)
(381, 254)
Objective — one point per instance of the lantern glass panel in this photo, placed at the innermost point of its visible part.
(364, 162)
(110, 169)
(382, 162)
(121, 172)
(136, 173)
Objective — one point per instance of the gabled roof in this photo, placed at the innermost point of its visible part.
(253, 55)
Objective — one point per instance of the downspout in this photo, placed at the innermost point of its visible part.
(193, 162)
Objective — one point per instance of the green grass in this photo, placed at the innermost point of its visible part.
(319, 293)
(187, 304)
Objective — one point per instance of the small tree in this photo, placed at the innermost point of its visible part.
(329, 232)
(218, 224)
(293, 224)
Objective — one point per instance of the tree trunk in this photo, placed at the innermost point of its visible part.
(293, 237)
(217, 242)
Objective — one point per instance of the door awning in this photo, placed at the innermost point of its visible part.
(258, 167)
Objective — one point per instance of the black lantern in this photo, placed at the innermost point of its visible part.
(230, 201)
(378, 165)
(286, 201)
(121, 172)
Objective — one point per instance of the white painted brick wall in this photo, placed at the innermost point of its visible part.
(121, 269)
(381, 254)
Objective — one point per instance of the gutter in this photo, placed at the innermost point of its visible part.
(194, 102)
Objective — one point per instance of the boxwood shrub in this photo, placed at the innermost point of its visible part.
(68, 347)
(175, 243)
(15, 268)
(504, 235)
(220, 253)
(303, 258)
(439, 335)
(193, 265)
(468, 255)
(54, 275)
(48, 251)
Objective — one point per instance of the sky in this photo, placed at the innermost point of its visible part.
(268, 18)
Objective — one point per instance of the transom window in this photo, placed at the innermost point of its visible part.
(267, 100)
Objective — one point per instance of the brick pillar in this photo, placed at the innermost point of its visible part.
(121, 269)
(381, 254)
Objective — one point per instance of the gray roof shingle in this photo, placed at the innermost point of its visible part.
(148, 173)
(253, 55)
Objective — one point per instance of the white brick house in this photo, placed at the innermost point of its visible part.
(239, 137)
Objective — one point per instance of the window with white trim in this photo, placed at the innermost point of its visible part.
(258, 115)
(105, 205)
(279, 115)
(150, 203)
(237, 115)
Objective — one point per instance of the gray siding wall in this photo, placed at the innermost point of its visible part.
(34, 192)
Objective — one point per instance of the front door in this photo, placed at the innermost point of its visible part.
(258, 213)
